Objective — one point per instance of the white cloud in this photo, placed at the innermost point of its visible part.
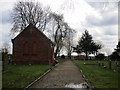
(100, 19)
(5, 34)
(6, 5)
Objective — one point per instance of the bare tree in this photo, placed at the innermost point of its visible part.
(58, 36)
(29, 12)
(60, 31)
(69, 40)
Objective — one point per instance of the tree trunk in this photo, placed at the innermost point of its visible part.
(86, 58)
(56, 52)
(55, 55)
(69, 55)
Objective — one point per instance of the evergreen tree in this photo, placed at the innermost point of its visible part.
(118, 47)
(87, 45)
(116, 54)
(100, 56)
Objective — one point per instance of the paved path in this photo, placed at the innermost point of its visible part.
(65, 73)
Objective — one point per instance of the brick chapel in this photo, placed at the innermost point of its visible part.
(31, 46)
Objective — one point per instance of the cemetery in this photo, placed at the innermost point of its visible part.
(95, 73)
(54, 49)
(98, 76)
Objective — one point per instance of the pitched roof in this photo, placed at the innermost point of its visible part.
(30, 28)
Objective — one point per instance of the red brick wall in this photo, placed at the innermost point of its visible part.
(32, 47)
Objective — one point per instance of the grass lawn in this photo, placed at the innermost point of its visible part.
(106, 63)
(97, 76)
(19, 76)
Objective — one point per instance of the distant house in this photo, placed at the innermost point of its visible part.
(31, 46)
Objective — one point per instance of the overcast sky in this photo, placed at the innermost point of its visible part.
(99, 18)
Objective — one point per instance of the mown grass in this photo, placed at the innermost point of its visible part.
(106, 63)
(19, 76)
(97, 76)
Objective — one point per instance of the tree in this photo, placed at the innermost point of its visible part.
(115, 56)
(100, 56)
(87, 45)
(60, 31)
(25, 13)
(95, 47)
(118, 47)
(69, 41)
(77, 49)
(58, 35)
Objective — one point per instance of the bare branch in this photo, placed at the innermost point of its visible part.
(29, 12)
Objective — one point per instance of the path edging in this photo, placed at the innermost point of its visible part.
(40, 76)
(86, 80)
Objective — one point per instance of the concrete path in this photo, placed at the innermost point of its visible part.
(64, 74)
